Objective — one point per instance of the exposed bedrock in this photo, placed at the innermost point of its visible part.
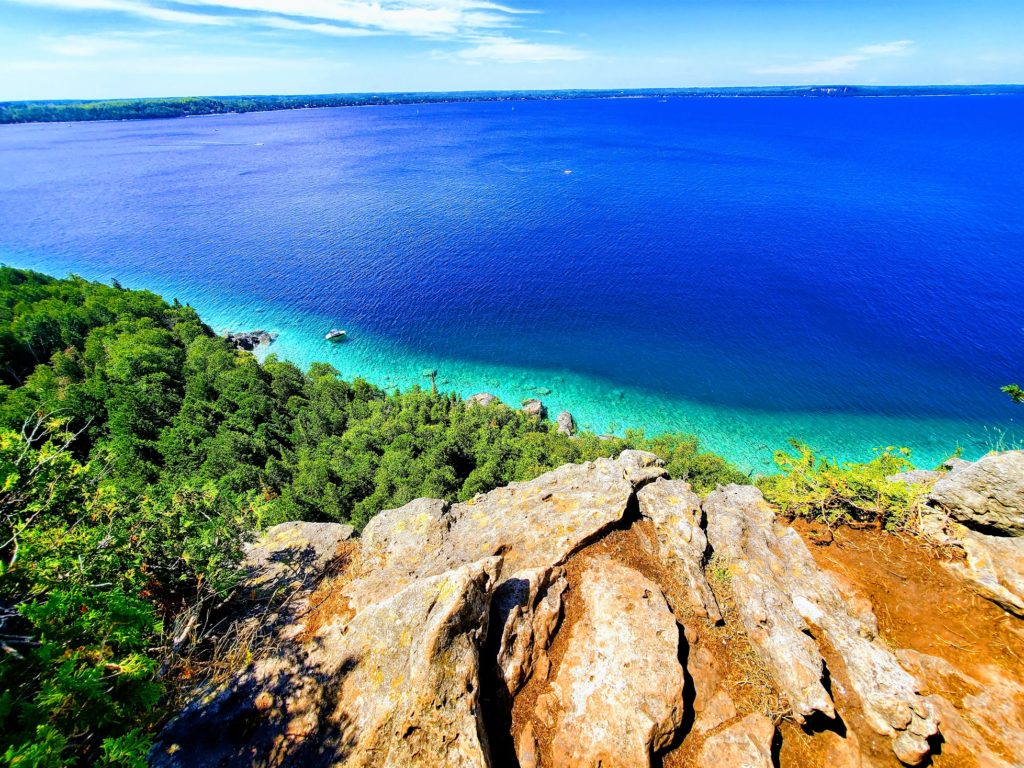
(618, 694)
(397, 685)
(987, 496)
(784, 601)
(746, 743)
(675, 512)
(978, 509)
(982, 719)
(534, 524)
(541, 625)
(528, 609)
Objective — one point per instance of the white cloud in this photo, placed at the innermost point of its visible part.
(421, 18)
(319, 27)
(88, 46)
(132, 7)
(481, 27)
(836, 65)
(508, 50)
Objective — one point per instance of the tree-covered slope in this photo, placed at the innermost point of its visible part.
(138, 451)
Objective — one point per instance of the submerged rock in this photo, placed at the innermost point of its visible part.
(618, 695)
(987, 495)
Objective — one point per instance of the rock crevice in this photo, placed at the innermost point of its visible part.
(600, 615)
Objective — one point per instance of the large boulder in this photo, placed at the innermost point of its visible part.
(987, 495)
(397, 685)
(674, 511)
(566, 423)
(785, 600)
(250, 340)
(535, 408)
(533, 524)
(482, 399)
(618, 694)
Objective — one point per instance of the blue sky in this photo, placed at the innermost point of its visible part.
(129, 48)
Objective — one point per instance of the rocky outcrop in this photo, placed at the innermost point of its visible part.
(993, 565)
(600, 615)
(916, 477)
(978, 509)
(785, 600)
(397, 685)
(987, 495)
(566, 424)
(618, 695)
(535, 408)
(534, 524)
(675, 512)
(482, 399)
(982, 720)
(290, 556)
(250, 340)
(746, 743)
(529, 608)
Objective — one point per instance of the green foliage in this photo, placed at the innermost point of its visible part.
(138, 451)
(684, 460)
(815, 487)
(1015, 392)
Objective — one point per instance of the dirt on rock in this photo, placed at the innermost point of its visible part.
(918, 603)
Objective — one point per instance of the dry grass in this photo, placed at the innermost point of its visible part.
(748, 682)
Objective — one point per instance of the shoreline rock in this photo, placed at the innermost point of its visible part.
(535, 408)
(250, 340)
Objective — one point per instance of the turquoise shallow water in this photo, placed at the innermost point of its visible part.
(840, 271)
(747, 436)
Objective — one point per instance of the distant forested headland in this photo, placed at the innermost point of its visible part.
(142, 109)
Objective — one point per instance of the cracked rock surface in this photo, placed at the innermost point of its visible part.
(605, 615)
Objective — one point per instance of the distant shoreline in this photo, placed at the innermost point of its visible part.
(63, 111)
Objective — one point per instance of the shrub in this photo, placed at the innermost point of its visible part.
(815, 487)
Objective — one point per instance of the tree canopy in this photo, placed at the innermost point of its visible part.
(139, 451)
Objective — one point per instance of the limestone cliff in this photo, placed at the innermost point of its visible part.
(605, 615)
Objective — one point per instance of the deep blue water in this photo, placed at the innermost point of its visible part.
(848, 271)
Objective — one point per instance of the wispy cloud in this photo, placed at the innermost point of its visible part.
(485, 30)
(421, 18)
(507, 50)
(837, 65)
(138, 8)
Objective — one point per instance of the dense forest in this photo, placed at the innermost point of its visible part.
(138, 109)
(139, 452)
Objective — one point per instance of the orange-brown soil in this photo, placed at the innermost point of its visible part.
(919, 606)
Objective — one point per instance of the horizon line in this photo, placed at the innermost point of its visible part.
(521, 91)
